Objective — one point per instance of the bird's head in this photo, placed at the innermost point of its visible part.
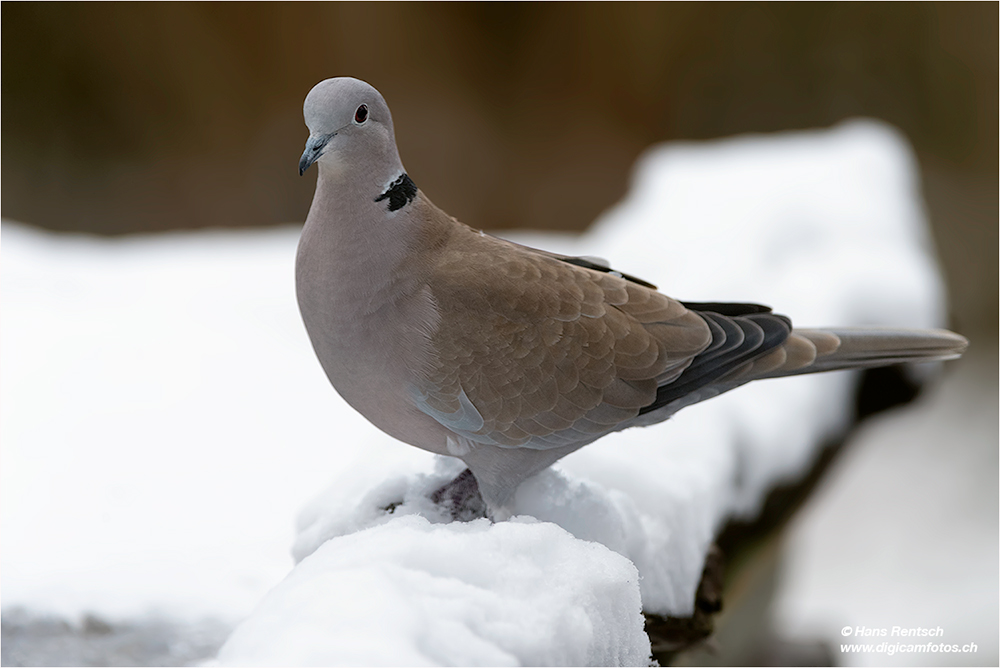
(349, 126)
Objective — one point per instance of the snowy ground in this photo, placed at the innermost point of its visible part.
(163, 421)
(904, 531)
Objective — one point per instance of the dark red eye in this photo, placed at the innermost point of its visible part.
(361, 115)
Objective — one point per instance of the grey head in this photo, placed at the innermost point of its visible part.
(350, 131)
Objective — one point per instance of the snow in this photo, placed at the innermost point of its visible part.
(518, 593)
(903, 530)
(163, 420)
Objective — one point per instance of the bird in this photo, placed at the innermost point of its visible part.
(505, 356)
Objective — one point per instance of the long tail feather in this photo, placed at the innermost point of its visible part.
(867, 347)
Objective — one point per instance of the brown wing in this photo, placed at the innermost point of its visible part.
(533, 351)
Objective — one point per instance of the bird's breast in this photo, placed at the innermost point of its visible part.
(371, 341)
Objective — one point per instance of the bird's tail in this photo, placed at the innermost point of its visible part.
(815, 350)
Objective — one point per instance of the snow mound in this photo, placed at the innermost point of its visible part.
(409, 592)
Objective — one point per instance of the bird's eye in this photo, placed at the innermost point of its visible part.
(361, 115)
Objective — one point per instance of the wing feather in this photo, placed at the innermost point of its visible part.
(548, 352)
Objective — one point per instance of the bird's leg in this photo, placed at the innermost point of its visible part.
(461, 498)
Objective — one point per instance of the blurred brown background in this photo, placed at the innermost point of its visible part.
(138, 117)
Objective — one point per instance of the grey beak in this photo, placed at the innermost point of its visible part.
(314, 149)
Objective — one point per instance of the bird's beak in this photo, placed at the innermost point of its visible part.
(314, 149)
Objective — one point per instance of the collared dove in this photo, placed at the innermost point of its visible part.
(506, 356)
